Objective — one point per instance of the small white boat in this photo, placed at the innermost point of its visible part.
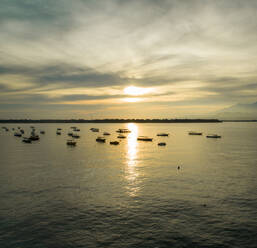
(144, 138)
(215, 136)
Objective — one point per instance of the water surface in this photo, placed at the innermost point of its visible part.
(130, 195)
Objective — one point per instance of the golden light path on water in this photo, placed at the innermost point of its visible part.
(132, 150)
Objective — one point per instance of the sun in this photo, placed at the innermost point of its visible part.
(136, 91)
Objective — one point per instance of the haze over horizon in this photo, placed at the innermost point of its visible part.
(126, 59)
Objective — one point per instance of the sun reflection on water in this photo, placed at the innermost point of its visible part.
(132, 172)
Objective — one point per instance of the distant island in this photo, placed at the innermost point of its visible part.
(112, 121)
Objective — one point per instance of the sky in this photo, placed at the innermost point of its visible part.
(126, 59)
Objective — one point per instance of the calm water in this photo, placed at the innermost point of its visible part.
(130, 195)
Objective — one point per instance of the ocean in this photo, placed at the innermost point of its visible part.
(193, 192)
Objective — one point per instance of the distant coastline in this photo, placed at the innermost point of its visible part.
(112, 121)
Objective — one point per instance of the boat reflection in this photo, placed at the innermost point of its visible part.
(131, 169)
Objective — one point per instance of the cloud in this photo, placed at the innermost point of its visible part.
(190, 52)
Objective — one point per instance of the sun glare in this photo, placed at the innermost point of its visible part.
(136, 91)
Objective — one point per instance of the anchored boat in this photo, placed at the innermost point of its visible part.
(100, 139)
(144, 138)
(114, 142)
(123, 130)
(163, 134)
(71, 143)
(194, 133)
(215, 136)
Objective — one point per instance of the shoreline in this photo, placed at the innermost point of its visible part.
(113, 121)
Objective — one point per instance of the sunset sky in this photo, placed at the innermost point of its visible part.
(126, 59)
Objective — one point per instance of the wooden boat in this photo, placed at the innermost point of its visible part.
(42, 132)
(58, 133)
(70, 134)
(144, 138)
(106, 133)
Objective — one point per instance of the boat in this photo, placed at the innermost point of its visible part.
(17, 134)
(70, 134)
(163, 134)
(42, 132)
(75, 136)
(26, 140)
(121, 136)
(215, 136)
(162, 144)
(114, 142)
(34, 137)
(106, 133)
(144, 138)
(71, 143)
(22, 131)
(94, 129)
(59, 129)
(194, 133)
(58, 133)
(100, 139)
(13, 129)
(123, 130)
